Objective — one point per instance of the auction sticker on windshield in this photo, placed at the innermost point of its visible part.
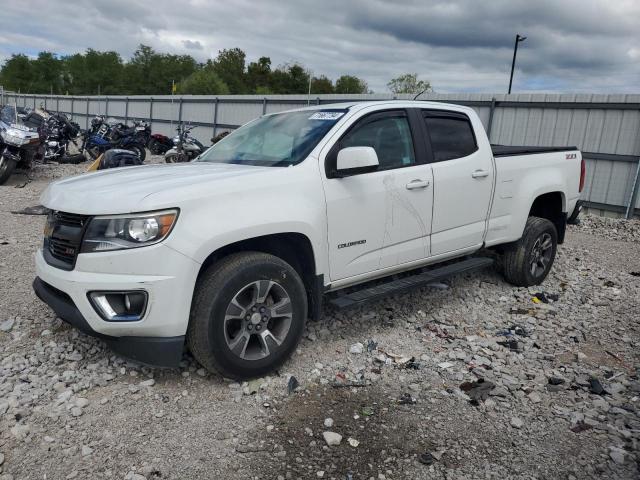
(326, 115)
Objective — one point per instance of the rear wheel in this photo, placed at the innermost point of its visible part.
(139, 150)
(528, 261)
(247, 316)
(154, 147)
(7, 166)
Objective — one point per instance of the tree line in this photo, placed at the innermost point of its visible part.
(149, 72)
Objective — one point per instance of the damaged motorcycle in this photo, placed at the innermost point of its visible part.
(21, 140)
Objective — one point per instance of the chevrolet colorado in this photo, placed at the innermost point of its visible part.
(229, 255)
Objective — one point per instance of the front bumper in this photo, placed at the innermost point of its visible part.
(156, 351)
(166, 275)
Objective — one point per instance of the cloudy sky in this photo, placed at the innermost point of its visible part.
(459, 45)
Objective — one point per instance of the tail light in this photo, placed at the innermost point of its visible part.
(583, 171)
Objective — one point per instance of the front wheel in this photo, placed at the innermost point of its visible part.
(155, 147)
(528, 261)
(7, 166)
(93, 152)
(73, 159)
(176, 158)
(247, 316)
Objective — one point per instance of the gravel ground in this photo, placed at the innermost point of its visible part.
(467, 379)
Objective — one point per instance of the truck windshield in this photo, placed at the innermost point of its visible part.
(279, 140)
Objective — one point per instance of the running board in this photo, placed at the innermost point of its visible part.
(403, 284)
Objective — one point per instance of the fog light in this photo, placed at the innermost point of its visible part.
(119, 306)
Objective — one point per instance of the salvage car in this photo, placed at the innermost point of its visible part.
(230, 254)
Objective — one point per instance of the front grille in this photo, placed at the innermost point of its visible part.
(63, 238)
(63, 250)
(71, 219)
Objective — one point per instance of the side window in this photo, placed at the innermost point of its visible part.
(451, 136)
(389, 136)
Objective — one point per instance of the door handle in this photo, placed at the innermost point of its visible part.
(413, 184)
(480, 174)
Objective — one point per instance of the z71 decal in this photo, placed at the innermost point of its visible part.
(571, 156)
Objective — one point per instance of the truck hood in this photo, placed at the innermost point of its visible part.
(124, 190)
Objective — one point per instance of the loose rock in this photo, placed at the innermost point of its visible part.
(517, 423)
(332, 438)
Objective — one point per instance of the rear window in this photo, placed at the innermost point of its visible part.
(451, 136)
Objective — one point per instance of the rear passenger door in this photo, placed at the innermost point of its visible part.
(463, 182)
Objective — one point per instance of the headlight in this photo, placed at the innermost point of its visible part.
(118, 232)
(14, 137)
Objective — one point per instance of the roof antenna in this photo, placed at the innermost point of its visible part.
(416, 97)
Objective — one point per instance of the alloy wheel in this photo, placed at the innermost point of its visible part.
(258, 320)
(541, 254)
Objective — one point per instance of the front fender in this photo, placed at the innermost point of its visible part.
(289, 200)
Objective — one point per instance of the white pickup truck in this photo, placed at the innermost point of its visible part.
(230, 254)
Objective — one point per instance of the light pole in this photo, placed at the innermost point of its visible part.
(513, 62)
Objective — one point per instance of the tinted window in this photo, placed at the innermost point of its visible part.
(451, 137)
(389, 136)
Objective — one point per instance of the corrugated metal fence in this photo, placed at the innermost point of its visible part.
(605, 127)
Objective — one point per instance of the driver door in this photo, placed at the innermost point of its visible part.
(381, 218)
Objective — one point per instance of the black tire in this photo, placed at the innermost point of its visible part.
(139, 150)
(176, 158)
(7, 166)
(73, 159)
(208, 335)
(93, 153)
(154, 147)
(519, 257)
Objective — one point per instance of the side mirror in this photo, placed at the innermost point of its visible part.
(354, 160)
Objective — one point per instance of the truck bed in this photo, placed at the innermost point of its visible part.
(509, 150)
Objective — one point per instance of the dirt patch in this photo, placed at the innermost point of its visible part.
(438, 435)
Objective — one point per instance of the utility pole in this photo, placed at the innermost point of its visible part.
(309, 92)
(513, 62)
